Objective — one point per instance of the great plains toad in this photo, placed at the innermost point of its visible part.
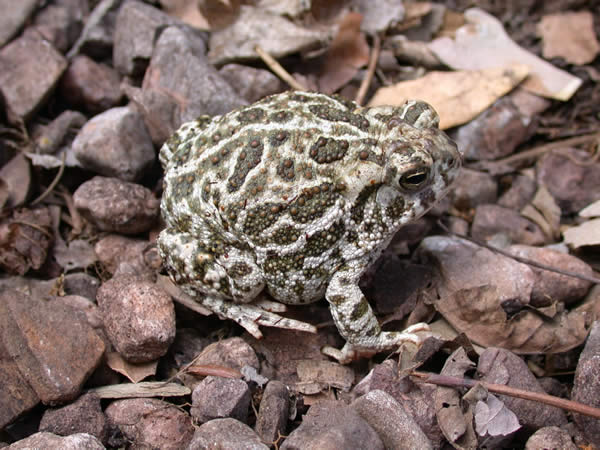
(299, 193)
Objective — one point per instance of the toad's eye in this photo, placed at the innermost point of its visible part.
(414, 179)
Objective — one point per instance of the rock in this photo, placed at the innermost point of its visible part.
(50, 138)
(82, 284)
(172, 97)
(82, 416)
(231, 352)
(473, 188)
(97, 41)
(16, 174)
(250, 82)
(61, 22)
(495, 133)
(29, 69)
(586, 385)
(503, 367)
(120, 254)
(151, 423)
(43, 440)
(216, 398)
(136, 27)
(491, 220)
(395, 427)
(230, 434)
(52, 344)
(571, 177)
(466, 265)
(115, 205)
(550, 438)
(13, 17)
(552, 287)
(139, 317)
(90, 85)
(520, 193)
(116, 144)
(273, 412)
(333, 425)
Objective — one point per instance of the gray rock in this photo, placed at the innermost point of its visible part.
(550, 438)
(273, 412)
(79, 441)
(250, 82)
(396, 428)
(120, 254)
(115, 205)
(473, 188)
(29, 69)
(50, 138)
(491, 220)
(333, 425)
(82, 416)
(216, 398)
(61, 22)
(116, 144)
(227, 434)
(172, 97)
(13, 17)
(139, 317)
(135, 30)
(520, 193)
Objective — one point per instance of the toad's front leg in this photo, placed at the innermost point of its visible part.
(357, 323)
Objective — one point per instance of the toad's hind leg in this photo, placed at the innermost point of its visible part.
(222, 278)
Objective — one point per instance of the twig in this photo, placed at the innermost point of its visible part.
(57, 178)
(520, 259)
(278, 69)
(569, 405)
(366, 82)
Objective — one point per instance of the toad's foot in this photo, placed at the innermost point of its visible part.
(415, 334)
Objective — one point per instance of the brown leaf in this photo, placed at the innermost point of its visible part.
(134, 372)
(588, 233)
(457, 96)
(24, 240)
(347, 53)
(569, 35)
(483, 43)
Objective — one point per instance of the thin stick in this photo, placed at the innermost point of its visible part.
(57, 178)
(527, 261)
(366, 82)
(569, 405)
(278, 69)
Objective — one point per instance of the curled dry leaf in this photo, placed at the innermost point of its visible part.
(545, 212)
(483, 43)
(134, 372)
(569, 35)
(457, 96)
(347, 53)
(493, 418)
(24, 240)
(477, 313)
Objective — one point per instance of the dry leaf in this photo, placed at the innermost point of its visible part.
(588, 233)
(545, 212)
(17, 178)
(457, 96)
(79, 254)
(4, 193)
(569, 35)
(477, 313)
(592, 210)
(347, 53)
(325, 374)
(134, 372)
(492, 417)
(482, 43)
(187, 11)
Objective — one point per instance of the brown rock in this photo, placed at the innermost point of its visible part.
(552, 287)
(115, 205)
(232, 352)
(333, 425)
(571, 177)
(550, 438)
(82, 416)
(61, 22)
(217, 398)
(50, 138)
(151, 423)
(29, 69)
(91, 85)
(43, 440)
(82, 284)
(54, 347)
(395, 427)
(137, 24)
(273, 412)
(139, 317)
(251, 83)
(503, 367)
(473, 188)
(586, 386)
(14, 15)
(490, 220)
(519, 194)
(115, 251)
(495, 133)
(17, 176)
(172, 97)
(230, 434)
